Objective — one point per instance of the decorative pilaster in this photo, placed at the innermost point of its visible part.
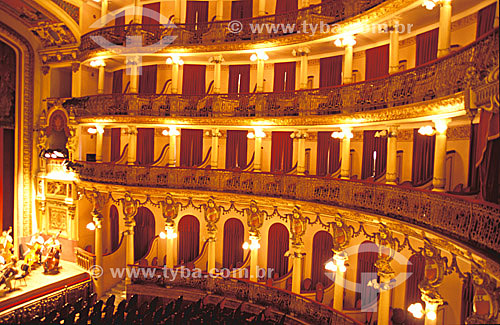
(341, 235)
(76, 80)
(132, 144)
(98, 143)
(212, 216)
(347, 43)
(133, 72)
(170, 211)
(260, 57)
(345, 164)
(439, 175)
(130, 207)
(444, 40)
(302, 52)
(214, 157)
(301, 150)
(298, 229)
(255, 220)
(390, 176)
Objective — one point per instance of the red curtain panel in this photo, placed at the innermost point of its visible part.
(416, 270)
(7, 177)
(330, 71)
(281, 151)
(473, 179)
(277, 245)
(120, 31)
(236, 149)
(467, 298)
(193, 79)
(147, 80)
(239, 79)
(490, 173)
(423, 158)
(196, 15)
(365, 272)
(427, 46)
(145, 146)
(328, 154)
(284, 6)
(189, 239)
(114, 230)
(372, 144)
(241, 9)
(144, 232)
(151, 17)
(234, 236)
(486, 20)
(117, 82)
(284, 76)
(191, 147)
(115, 144)
(377, 62)
(321, 254)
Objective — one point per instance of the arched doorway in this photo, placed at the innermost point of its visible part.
(322, 252)
(366, 272)
(189, 239)
(114, 227)
(144, 232)
(277, 245)
(234, 236)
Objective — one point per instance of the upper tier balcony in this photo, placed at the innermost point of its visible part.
(228, 35)
(430, 89)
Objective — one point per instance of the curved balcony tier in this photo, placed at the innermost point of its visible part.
(466, 220)
(431, 89)
(217, 36)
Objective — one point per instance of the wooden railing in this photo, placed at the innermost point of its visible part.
(471, 221)
(256, 293)
(440, 78)
(84, 259)
(217, 32)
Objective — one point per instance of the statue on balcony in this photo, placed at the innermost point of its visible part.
(170, 210)
(255, 218)
(486, 297)
(212, 215)
(297, 226)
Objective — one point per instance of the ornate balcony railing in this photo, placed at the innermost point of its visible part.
(257, 293)
(220, 32)
(440, 78)
(474, 222)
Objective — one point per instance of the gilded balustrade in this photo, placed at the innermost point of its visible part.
(472, 221)
(443, 77)
(217, 32)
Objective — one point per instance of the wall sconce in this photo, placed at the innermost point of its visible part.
(254, 244)
(95, 129)
(172, 131)
(427, 130)
(174, 59)
(299, 135)
(259, 55)
(418, 312)
(257, 134)
(345, 41)
(91, 226)
(213, 133)
(97, 63)
(338, 263)
(429, 4)
(342, 135)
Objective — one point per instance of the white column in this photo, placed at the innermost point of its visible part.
(171, 235)
(431, 309)
(301, 154)
(104, 10)
(175, 78)
(214, 158)
(338, 289)
(262, 7)
(133, 70)
(345, 164)
(172, 151)
(97, 218)
(254, 258)
(390, 177)
(296, 257)
(100, 83)
(384, 302)
(129, 233)
(348, 56)
(217, 60)
(394, 47)
(177, 11)
(137, 13)
(76, 80)
(444, 41)
(219, 10)
(98, 143)
(46, 82)
(257, 164)
(303, 54)
(439, 176)
(132, 145)
(260, 75)
(211, 253)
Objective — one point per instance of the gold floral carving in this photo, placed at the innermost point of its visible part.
(464, 22)
(461, 132)
(57, 218)
(405, 135)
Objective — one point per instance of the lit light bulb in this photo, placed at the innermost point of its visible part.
(91, 226)
(253, 57)
(330, 266)
(163, 235)
(92, 130)
(250, 135)
(165, 133)
(416, 310)
(431, 315)
(169, 61)
(171, 234)
(245, 246)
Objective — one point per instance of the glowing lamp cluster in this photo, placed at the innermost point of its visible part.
(54, 154)
(430, 4)
(418, 312)
(174, 59)
(254, 244)
(257, 134)
(345, 41)
(97, 63)
(338, 265)
(342, 135)
(91, 226)
(96, 129)
(172, 131)
(259, 55)
(171, 234)
(427, 130)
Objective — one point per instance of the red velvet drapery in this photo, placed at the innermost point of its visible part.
(7, 167)
(416, 269)
(120, 21)
(236, 149)
(423, 158)
(490, 173)
(191, 147)
(151, 16)
(115, 144)
(196, 15)
(277, 245)
(239, 79)
(377, 62)
(144, 232)
(189, 239)
(372, 144)
(365, 272)
(473, 180)
(147, 80)
(284, 6)
(330, 71)
(486, 20)
(114, 229)
(117, 82)
(427, 46)
(241, 9)
(145, 146)
(193, 79)
(321, 254)
(234, 236)
(281, 151)
(284, 76)
(328, 156)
